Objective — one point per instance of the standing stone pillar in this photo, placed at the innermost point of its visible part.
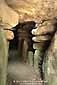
(50, 64)
(38, 59)
(3, 57)
(30, 58)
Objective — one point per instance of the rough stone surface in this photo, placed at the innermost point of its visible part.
(36, 10)
(39, 10)
(3, 57)
(8, 16)
(51, 63)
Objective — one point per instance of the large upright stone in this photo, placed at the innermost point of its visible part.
(50, 64)
(3, 57)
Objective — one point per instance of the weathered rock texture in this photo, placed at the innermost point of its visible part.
(3, 57)
(51, 63)
(8, 16)
(36, 10)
